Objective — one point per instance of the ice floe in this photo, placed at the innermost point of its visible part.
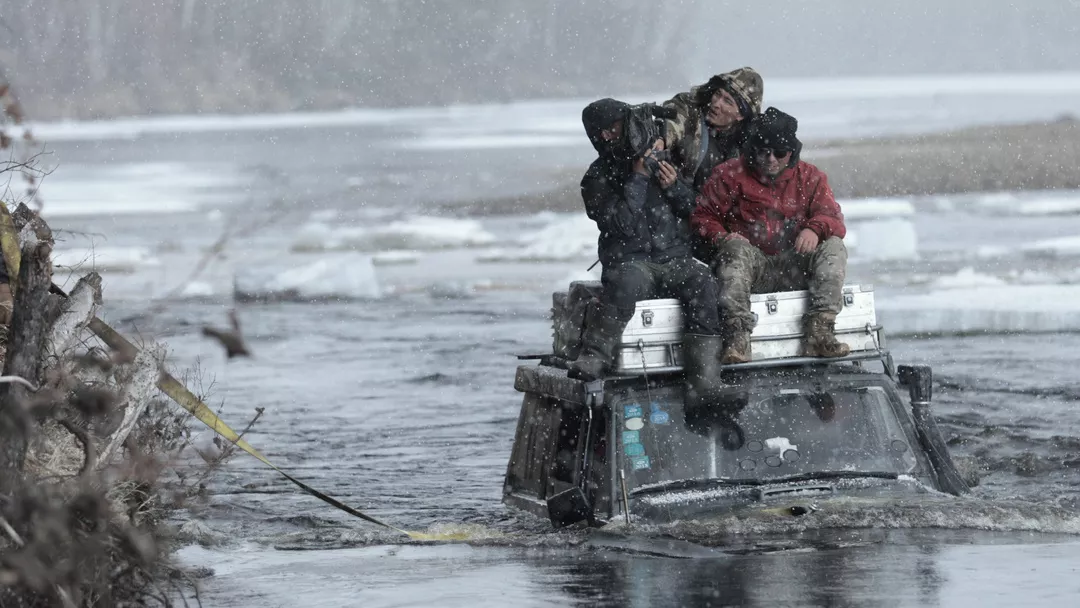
(344, 276)
(876, 208)
(137, 188)
(395, 258)
(105, 259)
(990, 308)
(197, 289)
(1064, 246)
(885, 239)
(563, 238)
(1029, 203)
(966, 278)
(416, 234)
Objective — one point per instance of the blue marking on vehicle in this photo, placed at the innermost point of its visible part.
(632, 411)
(639, 462)
(631, 437)
(658, 415)
(634, 449)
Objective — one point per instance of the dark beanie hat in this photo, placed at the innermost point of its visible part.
(774, 129)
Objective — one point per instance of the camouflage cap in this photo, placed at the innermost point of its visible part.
(744, 83)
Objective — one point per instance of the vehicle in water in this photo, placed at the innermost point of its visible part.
(789, 433)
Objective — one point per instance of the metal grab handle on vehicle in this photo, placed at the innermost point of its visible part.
(870, 329)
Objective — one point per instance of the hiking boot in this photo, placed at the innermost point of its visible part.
(820, 339)
(701, 364)
(736, 344)
(598, 346)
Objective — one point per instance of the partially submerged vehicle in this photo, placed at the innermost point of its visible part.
(789, 433)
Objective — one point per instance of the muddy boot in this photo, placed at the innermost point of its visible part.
(598, 346)
(820, 339)
(736, 343)
(701, 364)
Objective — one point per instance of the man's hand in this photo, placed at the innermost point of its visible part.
(807, 241)
(667, 175)
(639, 163)
(735, 236)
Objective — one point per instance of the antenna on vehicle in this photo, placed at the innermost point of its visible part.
(625, 498)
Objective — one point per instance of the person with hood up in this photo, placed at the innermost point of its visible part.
(771, 223)
(711, 124)
(644, 247)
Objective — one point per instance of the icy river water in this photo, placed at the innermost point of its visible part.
(388, 384)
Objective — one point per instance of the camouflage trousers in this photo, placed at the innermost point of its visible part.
(743, 269)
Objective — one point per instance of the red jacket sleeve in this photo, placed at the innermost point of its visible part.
(824, 216)
(714, 202)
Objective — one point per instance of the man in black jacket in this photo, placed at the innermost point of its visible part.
(644, 247)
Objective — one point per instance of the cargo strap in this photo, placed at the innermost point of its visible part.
(187, 400)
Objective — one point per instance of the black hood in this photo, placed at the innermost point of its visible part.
(600, 115)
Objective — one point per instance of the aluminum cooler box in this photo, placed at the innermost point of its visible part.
(652, 340)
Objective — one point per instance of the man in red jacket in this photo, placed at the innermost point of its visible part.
(772, 224)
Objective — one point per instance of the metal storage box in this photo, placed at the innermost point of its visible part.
(652, 340)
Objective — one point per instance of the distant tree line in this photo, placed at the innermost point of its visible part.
(96, 58)
(92, 58)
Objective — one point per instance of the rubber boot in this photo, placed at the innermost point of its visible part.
(598, 346)
(701, 364)
(820, 339)
(736, 343)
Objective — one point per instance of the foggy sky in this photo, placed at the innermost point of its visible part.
(851, 37)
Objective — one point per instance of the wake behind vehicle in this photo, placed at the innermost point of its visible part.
(789, 433)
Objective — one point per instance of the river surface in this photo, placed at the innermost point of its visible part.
(394, 393)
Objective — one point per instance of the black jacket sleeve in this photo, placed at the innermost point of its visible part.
(615, 209)
(682, 198)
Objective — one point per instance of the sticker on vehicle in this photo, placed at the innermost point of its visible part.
(657, 415)
(634, 449)
(635, 424)
(632, 411)
(639, 462)
(631, 437)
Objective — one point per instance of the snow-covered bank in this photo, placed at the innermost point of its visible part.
(138, 188)
(934, 101)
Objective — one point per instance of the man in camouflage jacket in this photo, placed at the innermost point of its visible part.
(711, 123)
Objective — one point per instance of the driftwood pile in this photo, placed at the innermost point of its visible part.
(77, 484)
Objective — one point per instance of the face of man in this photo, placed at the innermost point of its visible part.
(723, 111)
(612, 133)
(771, 162)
